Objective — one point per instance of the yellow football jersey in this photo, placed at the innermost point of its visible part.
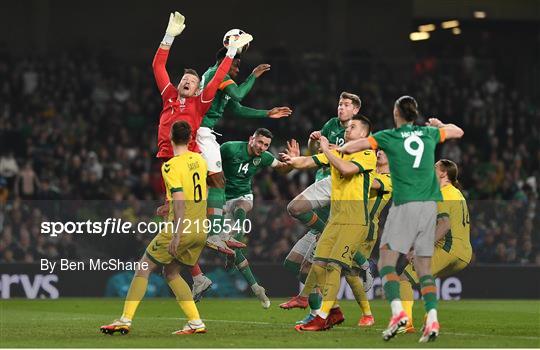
(377, 201)
(350, 195)
(187, 173)
(457, 240)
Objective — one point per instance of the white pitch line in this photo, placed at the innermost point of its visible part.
(288, 325)
(349, 327)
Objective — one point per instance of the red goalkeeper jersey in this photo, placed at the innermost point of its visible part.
(191, 109)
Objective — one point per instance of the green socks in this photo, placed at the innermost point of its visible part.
(429, 292)
(311, 220)
(216, 200)
(390, 281)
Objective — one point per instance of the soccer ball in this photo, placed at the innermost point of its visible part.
(235, 33)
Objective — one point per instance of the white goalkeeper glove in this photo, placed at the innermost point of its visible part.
(174, 28)
(235, 44)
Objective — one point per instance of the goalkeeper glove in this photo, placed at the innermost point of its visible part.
(235, 44)
(174, 28)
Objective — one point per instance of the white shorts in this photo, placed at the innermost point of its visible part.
(318, 193)
(206, 140)
(409, 225)
(305, 246)
(230, 204)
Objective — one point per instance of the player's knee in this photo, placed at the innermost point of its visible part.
(170, 274)
(216, 180)
(305, 268)
(332, 266)
(295, 207)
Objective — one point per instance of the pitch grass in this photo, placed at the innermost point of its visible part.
(243, 323)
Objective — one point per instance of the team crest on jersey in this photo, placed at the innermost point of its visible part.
(256, 161)
(218, 163)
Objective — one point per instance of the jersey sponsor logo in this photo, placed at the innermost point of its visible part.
(256, 161)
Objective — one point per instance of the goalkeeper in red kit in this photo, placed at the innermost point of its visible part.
(186, 101)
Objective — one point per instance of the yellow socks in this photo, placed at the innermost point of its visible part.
(311, 282)
(330, 288)
(136, 292)
(184, 298)
(358, 291)
(407, 298)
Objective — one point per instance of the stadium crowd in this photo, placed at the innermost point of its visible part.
(75, 128)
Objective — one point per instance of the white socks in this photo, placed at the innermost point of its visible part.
(431, 316)
(396, 307)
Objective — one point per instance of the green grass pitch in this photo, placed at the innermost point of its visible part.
(243, 323)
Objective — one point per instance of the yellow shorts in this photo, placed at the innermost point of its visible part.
(339, 243)
(443, 264)
(190, 247)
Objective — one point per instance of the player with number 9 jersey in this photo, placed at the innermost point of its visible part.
(411, 153)
(411, 220)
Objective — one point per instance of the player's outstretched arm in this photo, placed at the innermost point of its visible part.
(208, 93)
(355, 146)
(451, 131)
(179, 208)
(238, 92)
(174, 28)
(345, 168)
(240, 111)
(298, 162)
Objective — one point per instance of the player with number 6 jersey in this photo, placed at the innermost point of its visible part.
(411, 220)
(181, 243)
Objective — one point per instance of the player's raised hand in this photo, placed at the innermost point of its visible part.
(260, 70)
(240, 40)
(279, 112)
(315, 136)
(434, 122)
(293, 148)
(176, 24)
(325, 144)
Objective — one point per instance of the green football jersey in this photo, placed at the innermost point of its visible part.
(411, 155)
(220, 100)
(239, 167)
(335, 133)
